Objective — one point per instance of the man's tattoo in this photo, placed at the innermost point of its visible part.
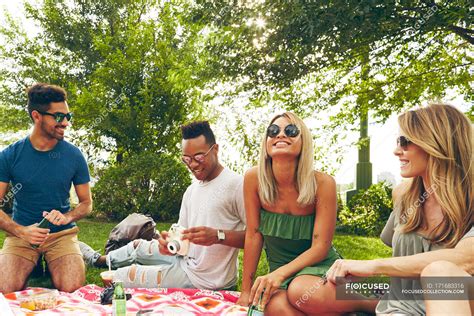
(252, 276)
(315, 236)
(257, 230)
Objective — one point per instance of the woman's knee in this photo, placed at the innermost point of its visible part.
(275, 305)
(279, 305)
(442, 268)
(307, 293)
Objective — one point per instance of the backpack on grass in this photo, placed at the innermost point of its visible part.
(134, 226)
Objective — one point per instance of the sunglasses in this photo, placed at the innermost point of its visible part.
(58, 116)
(403, 142)
(290, 130)
(198, 157)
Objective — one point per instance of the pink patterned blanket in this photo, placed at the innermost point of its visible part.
(86, 300)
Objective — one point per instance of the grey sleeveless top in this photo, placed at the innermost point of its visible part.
(405, 245)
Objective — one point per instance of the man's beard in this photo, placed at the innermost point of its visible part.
(51, 133)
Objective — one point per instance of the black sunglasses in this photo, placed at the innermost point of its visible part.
(403, 142)
(58, 116)
(291, 130)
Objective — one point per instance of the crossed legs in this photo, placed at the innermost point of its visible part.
(309, 295)
(444, 307)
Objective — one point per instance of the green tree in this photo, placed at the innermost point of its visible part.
(416, 50)
(146, 183)
(132, 69)
(344, 58)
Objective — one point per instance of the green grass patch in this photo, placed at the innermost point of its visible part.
(95, 233)
(361, 248)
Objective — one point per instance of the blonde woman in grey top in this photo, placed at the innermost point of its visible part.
(431, 228)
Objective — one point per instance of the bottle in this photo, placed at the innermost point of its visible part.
(119, 302)
(43, 224)
(256, 310)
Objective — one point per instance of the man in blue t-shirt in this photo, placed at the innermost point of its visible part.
(41, 169)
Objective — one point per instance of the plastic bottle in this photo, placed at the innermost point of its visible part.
(119, 302)
(43, 224)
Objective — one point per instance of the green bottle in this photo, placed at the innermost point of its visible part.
(119, 302)
(256, 310)
(43, 224)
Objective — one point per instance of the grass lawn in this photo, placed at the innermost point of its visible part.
(96, 233)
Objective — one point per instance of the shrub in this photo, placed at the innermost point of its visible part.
(368, 211)
(147, 183)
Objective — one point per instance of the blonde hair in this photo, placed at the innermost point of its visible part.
(304, 177)
(445, 134)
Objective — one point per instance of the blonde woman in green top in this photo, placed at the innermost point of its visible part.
(431, 228)
(291, 209)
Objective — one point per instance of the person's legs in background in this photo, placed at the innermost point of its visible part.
(137, 251)
(152, 276)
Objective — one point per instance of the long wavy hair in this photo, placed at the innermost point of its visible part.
(304, 177)
(445, 134)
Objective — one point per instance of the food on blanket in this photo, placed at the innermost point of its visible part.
(175, 244)
(107, 277)
(39, 301)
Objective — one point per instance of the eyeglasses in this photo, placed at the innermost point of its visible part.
(198, 157)
(58, 116)
(403, 142)
(290, 130)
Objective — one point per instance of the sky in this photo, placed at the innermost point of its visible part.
(382, 136)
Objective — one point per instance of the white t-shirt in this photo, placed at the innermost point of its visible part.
(219, 204)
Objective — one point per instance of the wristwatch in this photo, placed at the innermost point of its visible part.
(220, 236)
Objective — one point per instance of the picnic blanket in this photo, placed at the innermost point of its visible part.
(159, 301)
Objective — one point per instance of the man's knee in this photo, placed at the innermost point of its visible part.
(14, 272)
(140, 276)
(70, 286)
(69, 282)
(67, 272)
(8, 286)
(145, 247)
(442, 268)
(12, 283)
(132, 273)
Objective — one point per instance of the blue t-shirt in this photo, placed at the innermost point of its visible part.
(41, 180)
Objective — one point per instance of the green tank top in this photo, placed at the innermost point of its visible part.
(287, 236)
